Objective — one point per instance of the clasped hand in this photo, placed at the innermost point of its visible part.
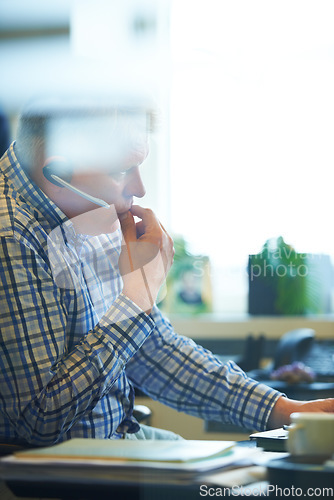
(146, 257)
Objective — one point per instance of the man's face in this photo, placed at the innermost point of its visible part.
(117, 185)
(104, 152)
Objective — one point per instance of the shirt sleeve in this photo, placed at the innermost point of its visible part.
(45, 387)
(176, 371)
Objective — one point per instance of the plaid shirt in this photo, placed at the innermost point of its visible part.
(70, 355)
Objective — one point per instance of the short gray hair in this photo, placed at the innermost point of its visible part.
(32, 141)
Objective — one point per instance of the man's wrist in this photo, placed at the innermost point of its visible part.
(138, 291)
(281, 412)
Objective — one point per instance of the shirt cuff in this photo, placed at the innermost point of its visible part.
(251, 403)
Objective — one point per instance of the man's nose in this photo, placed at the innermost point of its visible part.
(135, 185)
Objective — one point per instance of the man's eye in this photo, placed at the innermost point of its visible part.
(119, 175)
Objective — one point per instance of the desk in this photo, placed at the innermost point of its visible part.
(95, 484)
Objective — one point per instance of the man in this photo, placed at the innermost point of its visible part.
(79, 328)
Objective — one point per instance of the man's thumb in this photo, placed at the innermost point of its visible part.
(128, 226)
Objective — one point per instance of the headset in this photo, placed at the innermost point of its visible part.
(54, 168)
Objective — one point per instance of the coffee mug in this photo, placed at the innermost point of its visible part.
(311, 434)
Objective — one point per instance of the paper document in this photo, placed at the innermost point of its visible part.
(146, 459)
(123, 450)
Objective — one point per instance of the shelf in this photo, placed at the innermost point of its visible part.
(273, 327)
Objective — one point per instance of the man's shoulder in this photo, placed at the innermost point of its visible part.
(17, 219)
(7, 209)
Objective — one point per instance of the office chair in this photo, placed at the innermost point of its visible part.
(142, 414)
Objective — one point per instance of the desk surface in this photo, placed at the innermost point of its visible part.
(78, 483)
(94, 482)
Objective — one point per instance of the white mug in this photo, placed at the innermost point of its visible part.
(311, 434)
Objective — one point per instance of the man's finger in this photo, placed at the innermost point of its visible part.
(148, 219)
(145, 214)
(138, 211)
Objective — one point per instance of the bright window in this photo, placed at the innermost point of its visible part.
(252, 131)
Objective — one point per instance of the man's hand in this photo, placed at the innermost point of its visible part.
(285, 406)
(146, 256)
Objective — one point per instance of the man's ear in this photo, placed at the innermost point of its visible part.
(57, 166)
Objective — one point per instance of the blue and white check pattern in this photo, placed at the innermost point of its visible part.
(70, 356)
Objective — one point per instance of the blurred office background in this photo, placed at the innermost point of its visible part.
(244, 152)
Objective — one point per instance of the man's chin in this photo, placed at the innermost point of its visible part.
(122, 211)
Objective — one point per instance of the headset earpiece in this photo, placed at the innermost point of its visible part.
(60, 169)
(57, 171)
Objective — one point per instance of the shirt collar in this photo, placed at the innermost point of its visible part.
(27, 190)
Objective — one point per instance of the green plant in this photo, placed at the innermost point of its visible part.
(296, 279)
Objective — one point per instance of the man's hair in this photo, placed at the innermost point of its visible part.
(33, 142)
(4, 132)
(30, 139)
